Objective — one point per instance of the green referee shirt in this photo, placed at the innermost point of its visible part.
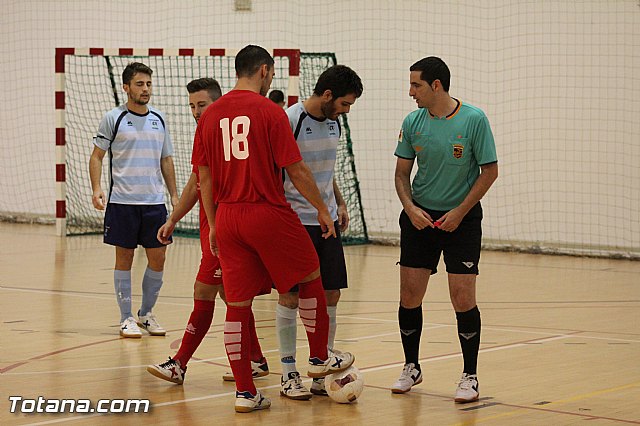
(449, 150)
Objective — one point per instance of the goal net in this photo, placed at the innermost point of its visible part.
(89, 84)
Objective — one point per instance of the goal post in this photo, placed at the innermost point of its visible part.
(88, 84)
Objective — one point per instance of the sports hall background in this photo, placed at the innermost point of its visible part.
(558, 80)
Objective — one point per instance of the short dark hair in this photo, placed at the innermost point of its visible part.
(341, 80)
(432, 69)
(211, 85)
(134, 68)
(250, 59)
(276, 96)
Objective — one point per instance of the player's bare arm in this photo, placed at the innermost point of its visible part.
(169, 175)
(343, 214)
(451, 220)
(188, 199)
(209, 206)
(303, 180)
(98, 198)
(419, 218)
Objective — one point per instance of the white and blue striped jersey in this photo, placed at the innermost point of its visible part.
(136, 143)
(318, 143)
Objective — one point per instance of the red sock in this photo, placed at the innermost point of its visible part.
(255, 349)
(197, 328)
(312, 307)
(236, 343)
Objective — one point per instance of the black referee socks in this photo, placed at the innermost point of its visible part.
(410, 321)
(469, 335)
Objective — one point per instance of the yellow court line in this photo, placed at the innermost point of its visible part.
(600, 392)
(560, 401)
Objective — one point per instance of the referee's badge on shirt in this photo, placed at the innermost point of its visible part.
(457, 150)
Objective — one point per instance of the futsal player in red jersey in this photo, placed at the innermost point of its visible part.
(202, 93)
(243, 142)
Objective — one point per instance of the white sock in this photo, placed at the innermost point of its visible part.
(286, 329)
(332, 310)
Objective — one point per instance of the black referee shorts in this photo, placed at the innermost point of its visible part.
(461, 248)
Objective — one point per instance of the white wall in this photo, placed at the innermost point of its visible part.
(559, 81)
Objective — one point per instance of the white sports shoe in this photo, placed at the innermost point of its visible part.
(467, 390)
(292, 387)
(337, 361)
(150, 323)
(258, 369)
(246, 403)
(409, 377)
(129, 328)
(317, 387)
(170, 371)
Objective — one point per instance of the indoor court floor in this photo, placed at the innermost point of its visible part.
(560, 340)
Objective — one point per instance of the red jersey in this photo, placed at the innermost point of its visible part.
(246, 140)
(203, 214)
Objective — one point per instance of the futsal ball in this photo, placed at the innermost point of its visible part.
(346, 386)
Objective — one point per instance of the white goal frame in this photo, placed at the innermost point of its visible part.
(293, 93)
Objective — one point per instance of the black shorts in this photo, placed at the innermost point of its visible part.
(332, 265)
(127, 225)
(422, 248)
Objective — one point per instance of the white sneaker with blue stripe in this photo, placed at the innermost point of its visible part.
(337, 361)
(246, 403)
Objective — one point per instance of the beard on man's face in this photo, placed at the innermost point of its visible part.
(329, 110)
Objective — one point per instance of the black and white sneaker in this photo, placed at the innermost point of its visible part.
(292, 387)
(129, 328)
(150, 323)
(409, 377)
(467, 390)
(258, 369)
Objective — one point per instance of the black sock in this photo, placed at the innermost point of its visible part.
(410, 321)
(469, 335)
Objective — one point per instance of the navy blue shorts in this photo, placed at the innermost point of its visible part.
(333, 268)
(461, 248)
(127, 225)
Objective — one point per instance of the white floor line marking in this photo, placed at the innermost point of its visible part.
(195, 361)
(443, 357)
(547, 333)
(110, 297)
(51, 292)
(350, 339)
(86, 296)
(384, 367)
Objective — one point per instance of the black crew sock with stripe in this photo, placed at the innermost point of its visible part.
(469, 335)
(410, 321)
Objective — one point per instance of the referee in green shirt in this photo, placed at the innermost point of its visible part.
(452, 143)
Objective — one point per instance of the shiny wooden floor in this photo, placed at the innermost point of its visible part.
(560, 340)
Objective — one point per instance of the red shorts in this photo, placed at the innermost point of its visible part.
(210, 271)
(261, 244)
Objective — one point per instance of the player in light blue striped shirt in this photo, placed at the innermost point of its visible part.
(140, 152)
(317, 130)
